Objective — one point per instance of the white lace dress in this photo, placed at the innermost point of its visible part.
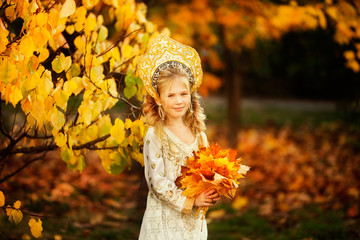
(169, 214)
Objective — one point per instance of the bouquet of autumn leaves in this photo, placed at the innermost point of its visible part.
(211, 168)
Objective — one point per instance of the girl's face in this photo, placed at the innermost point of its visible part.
(175, 98)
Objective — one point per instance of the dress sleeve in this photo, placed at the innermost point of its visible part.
(160, 186)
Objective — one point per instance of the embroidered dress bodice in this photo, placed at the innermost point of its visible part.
(169, 214)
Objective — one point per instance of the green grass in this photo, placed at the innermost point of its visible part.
(310, 222)
(278, 116)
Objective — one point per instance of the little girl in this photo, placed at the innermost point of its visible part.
(171, 73)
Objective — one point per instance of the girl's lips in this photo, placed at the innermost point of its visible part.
(179, 109)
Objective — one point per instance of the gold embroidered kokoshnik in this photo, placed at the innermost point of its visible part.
(165, 53)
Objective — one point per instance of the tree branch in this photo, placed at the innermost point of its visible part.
(21, 168)
(39, 149)
(88, 145)
(38, 137)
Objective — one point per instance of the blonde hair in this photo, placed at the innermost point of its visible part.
(195, 119)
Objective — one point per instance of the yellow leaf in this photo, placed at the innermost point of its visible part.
(103, 33)
(61, 97)
(80, 43)
(106, 161)
(117, 131)
(33, 6)
(27, 46)
(349, 55)
(239, 203)
(90, 23)
(128, 123)
(44, 54)
(35, 227)
(25, 237)
(66, 154)
(15, 95)
(41, 19)
(2, 199)
(67, 63)
(216, 214)
(58, 64)
(60, 140)
(3, 37)
(322, 18)
(73, 160)
(87, 115)
(57, 237)
(31, 82)
(138, 156)
(57, 119)
(17, 204)
(333, 12)
(8, 210)
(80, 17)
(354, 65)
(16, 216)
(89, 3)
(68, 8)
(8, 71)
(70, 29)
(45, 85)
(70, 86)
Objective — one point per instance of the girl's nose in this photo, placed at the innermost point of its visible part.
(178, 99)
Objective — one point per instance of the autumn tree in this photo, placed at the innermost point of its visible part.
(64, 67)
(224, 30)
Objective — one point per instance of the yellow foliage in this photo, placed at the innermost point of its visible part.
(89, 3)
(60, 140)
(8, 71)
(118, 131)
(239, 203)
(349, 55)
(67, 9)
(2, 199)
(3, 37)
(354, 65)
(17, 204)
(57, 119)
(15, 215)
(35, 227)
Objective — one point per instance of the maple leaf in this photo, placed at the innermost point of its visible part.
(211, 168)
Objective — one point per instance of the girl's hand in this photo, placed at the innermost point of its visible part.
(207, 198)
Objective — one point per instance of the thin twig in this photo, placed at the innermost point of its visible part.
(22, 167)
(125, 62)
(30, 213)
(16, 111)
(117, 41)
(38, 137)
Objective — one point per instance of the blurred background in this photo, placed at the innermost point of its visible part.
(281, 86)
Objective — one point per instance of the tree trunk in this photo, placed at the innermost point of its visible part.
(233, 94)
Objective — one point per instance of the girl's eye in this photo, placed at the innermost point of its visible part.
(184, 94)
(171, 96)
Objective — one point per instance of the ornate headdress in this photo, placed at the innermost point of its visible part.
(167, 53)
